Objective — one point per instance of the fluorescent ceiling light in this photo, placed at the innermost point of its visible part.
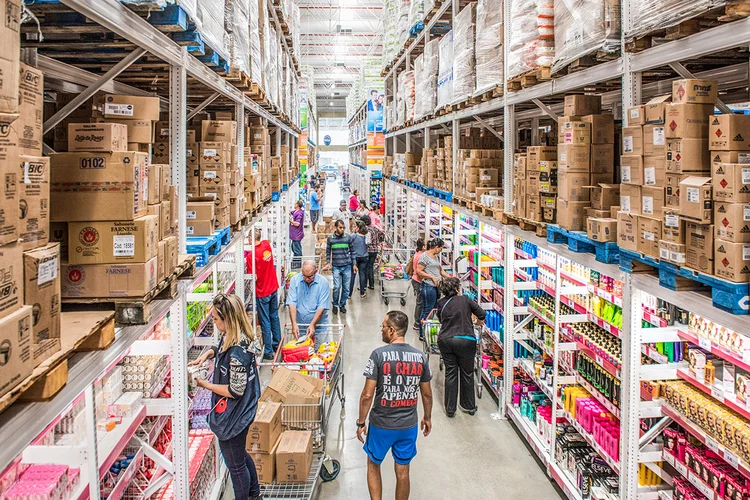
(330, 103)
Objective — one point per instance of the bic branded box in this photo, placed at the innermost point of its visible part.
(654, 170)
(696, 199)
(11, 278)
(649, 230)
(42, 290)
(580, 105)
(718, 157)
(219, 131)
(695, 91)
(113, 242)
(16, 338)
(570, 132)
(33, 207)
(688, 155)
(632, 140)
(131, 108)
(652, 201)
(688, 121)
(10, 60)
(732, 182)
(293, 457)
(77, 180)
(601, 229)
(627, 231)
(265, 465)
(265, 429)
(154, 184)
(109, 280)
(109, 137)
(636, 116)
(699, 243)
(654, 110)
(574, 158)
(573, 186)
(571, 215)
(654, 141)
(631, 169)
(9, 172)
(673, 227)
(732, 261)
(672, 252)
(603, 196)
(630, 198)
(732, 221)
(30, 110)
(729, 133)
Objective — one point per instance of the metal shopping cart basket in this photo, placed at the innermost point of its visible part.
(394, 281)
(327, 365)
(430, 332)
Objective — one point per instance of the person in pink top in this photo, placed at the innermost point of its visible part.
(374, 215)
(354, 202)
(416, 284)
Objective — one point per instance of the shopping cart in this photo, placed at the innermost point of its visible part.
(394, 281)
(478, 329)
(329, 367)
(430, 332)
(292, 266)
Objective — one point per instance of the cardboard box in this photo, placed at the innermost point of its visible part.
(42, 290)
(571, 215)
(259, 136)
(732, 221)
(165, 222)
(160, 153)
(109, 280)
(673, 228)
(601, 229)
(718, 157)
(654, 170)
(288, 386)
(131, 108)
(202, 210)
(688, 121)
(173, 257)
(636, 116)
(688, 155)
(140, 132)
(696, 199)
(729, 133)
(11, 278)
(573, 158)
(631, 169)
(30, 110)
(10, 60)
(293, 457)
(34, 197)
(654, 109)
(598, 214)
(673, 189)
(732, 261)
(580, 105)
(161, 261)
(192, 154)
(602, 128)
(16, 335)
(200, 227)
(535, 154)
(603, 196)
(214, 153)
(573, 186)
(699, 243)
(627, 231)
(573, 132)
(732, 182)
(155, 210)
(154, 184)
(265, 430)
(654, 140)
(695, 91)
(533, 208)
(630, 198)
(603, 159)
(649, 230)
(632, 140)
(97, 137)
(652, 201)
(113, 242)
(9, 195)
(672, 252)
(265, 465)
(219, 131)
(75, 186)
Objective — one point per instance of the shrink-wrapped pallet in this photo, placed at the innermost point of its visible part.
(463, 54)
(256, 58)
(489, 45)
(583, 27)
(416, 12)
(272, 82)
(445, 71)
(405, 108)
(650, 15)
(236, 22)
(425, 80)
(210, 14)
(402, 23)
(532, 35)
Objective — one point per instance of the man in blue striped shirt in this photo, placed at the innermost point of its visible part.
(340, 256)
(309, 299)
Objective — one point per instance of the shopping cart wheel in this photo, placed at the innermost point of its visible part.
(385, 301)
(479, 390)
(403, 301)
(329, 475)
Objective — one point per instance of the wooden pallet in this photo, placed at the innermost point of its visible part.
(585, 62)
(136, 310)
(529, 79)
(80, 331)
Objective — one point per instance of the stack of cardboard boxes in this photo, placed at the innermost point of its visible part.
(436, 167)
(257, 185)
(480, 175)
(539, 170)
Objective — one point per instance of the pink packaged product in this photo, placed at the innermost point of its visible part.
(601, 424)
(45, 482)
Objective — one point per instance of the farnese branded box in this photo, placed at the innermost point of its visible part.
(109, 280)
(113, 242)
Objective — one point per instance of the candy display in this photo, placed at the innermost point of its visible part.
(144, 374)
(45, 482)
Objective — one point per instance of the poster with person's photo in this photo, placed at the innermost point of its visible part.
(375, 108)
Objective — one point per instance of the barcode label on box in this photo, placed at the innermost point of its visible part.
(693, 195)
(209, 174)
(671, 220)
(209, 152)
(649, 236)
(664, 253)
(648, 205)
(627, 144)
(164, 132)
(47, 271)
(635, 113)
(746, 212)
(123, 245)
(190, 214)
(189, 152)
(118, 109)
(650, 175)
(190, 229)
(745, 252)
(625, 173)
(625, 203)
(659, 136)
(745, 175)
(677, 257)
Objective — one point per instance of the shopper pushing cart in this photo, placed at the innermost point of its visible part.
(393, 276)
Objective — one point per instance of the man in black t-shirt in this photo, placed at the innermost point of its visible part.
(395, 375)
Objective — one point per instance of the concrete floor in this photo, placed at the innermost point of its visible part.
(477, 457)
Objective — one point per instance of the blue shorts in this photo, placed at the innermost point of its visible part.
(401, 442)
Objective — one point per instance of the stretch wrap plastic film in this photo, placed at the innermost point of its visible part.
(236, 22)
(405, 109)
(463, 54)
(426, 69)
(272, 81)
(211, 16)
(150, 4)
(532, 35)
(402, 25)
(650, 15)
(445, 71)
(256, 58)
(489, 44)
(585, 26)
(416, 12)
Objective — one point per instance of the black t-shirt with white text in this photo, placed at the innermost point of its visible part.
(398, 369)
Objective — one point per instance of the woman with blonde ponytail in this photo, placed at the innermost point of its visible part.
(236, 389)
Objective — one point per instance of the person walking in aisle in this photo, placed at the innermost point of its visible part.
(236, 390)
(374, 214)
(315, 198)
(354, 202)
(416, 283)
(297, 228)
(361, 209)
(266, 293)
(393, 375)
(431, 272)
(342, 214)
(458, 344)
(374, 239)
(340, 256)
(308, 300)
(362, 257)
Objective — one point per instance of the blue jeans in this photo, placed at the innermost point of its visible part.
(429, 296)
(268, 317)
(362, 273)
(342, 276)
(297, 248)
(241, 466)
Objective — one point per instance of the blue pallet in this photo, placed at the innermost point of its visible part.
(275, 196)
(444, 195)
(416, 29)
(224, 235)
(579, 242)
(203, 247)
(394, 178)
(189, 38)
(173, 18)
(284, 188)
(725, 295)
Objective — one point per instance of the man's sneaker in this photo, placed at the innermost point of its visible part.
(371, 287)
(343, 309)
(470, 412)
(268, 357)
(363, 295)
(335, 310)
